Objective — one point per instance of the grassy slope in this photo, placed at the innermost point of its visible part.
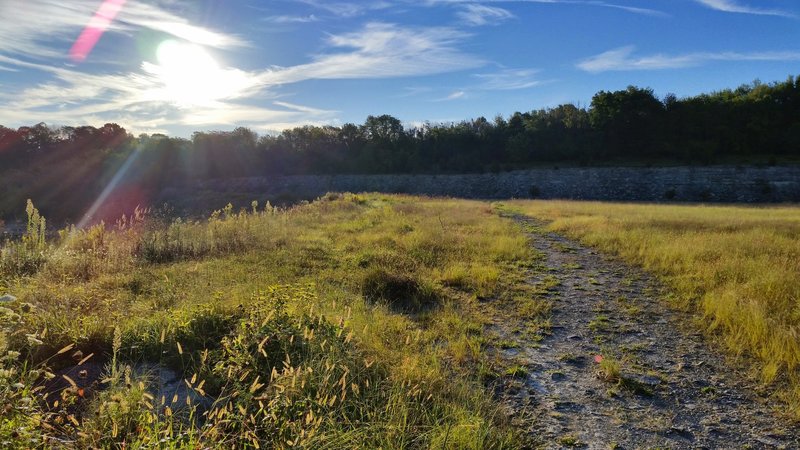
(349, 322)
(737, 266)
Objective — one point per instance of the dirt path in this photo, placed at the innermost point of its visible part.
(671, 391)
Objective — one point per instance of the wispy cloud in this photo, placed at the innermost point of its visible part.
(594, 3)
(291, 19)
(71, 95)
(630, 9)
(382, 50)
(476, 15)
(284, 115)
(140, 114)
(348, 9)
(733, 6)
(138, 100)
(502, 80)
(412, 91)
(45, 28)
(621, 59)
(509, 79)
(455, 95)
(304, 109)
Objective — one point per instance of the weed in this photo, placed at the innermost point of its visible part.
(570, 440)
(600, 323)
(708, 390)
(609, 370)
(570, 358)
(27, 255)
(516, 371)
(507, 344)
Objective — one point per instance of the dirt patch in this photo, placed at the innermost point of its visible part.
(621, 370)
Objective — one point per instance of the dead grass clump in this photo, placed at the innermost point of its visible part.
(400, 291)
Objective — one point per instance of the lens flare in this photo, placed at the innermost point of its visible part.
(98, 24)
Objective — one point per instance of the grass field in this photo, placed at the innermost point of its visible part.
(738, 267)
(352, 321)
(355, 321)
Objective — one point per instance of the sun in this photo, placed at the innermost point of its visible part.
(188, 75)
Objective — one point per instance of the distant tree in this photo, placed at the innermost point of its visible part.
(758, 121)
(628, 121)
(383, 128)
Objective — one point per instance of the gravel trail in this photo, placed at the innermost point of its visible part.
(672, 389)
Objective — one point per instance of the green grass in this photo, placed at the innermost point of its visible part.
(352, 321)
(736, 267)
(599, 324)
(570, 440)
(516, 371)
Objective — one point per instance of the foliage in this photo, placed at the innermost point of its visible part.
(755, 123)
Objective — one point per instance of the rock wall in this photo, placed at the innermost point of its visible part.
(729, 184)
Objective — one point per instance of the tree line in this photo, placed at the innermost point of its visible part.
(754, 122)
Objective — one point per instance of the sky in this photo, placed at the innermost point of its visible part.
(174, 67)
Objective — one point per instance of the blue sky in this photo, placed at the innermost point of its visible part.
(177, 66)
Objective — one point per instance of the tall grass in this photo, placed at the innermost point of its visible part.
(736, 266)
(26, 255)
(348, 322)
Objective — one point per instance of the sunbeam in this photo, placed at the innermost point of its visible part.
(115, 180)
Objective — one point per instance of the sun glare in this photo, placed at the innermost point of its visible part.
(190, 76)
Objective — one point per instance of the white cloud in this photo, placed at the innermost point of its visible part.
(502, 80)
(597, 3)
(347, 9)
(138, 100)
(733, 6)
(476, 15)
(46, 28)
(455, 95)
(381, 50)
(291, 19)
(630, 9)
(264, 118)
(72, 96)
(621, 59)
(411, 91)
(304, 109)
(509, 79)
